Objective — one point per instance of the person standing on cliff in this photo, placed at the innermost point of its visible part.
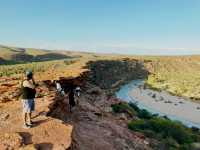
(28, 96)
(71, 96)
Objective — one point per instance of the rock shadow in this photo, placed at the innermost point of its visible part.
(60, 106)
(113, 73)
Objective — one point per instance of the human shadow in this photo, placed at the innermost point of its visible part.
(44, 146)
(42, 113)
(39, 122)
(27, 137)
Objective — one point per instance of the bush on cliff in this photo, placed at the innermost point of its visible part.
(141, 113)
(165, 129)
(123, 108)
(170, 134)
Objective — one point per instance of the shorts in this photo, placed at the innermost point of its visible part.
(28, 105)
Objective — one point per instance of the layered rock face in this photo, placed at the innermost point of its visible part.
(111, 74)
(96, 127)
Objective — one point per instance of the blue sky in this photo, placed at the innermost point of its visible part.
(107, 26)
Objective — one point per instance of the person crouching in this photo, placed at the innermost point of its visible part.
(59, 88)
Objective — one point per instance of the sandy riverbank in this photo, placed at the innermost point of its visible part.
(163, 103)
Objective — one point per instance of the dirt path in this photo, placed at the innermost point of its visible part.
(47, 133)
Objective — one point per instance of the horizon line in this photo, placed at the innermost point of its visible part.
(93, 51)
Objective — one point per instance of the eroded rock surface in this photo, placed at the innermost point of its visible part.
(10, 141)
(47, 133)
(91, 126)
(96, 128)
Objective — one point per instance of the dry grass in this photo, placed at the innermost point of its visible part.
(178, 75)
(39, 67)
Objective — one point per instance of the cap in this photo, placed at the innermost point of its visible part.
(29, 73)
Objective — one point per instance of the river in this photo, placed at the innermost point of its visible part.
(161, 103)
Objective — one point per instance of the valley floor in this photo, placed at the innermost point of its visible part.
(91, 126)
(176, 108)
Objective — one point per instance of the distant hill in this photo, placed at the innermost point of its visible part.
(179, 75)
(12, 55)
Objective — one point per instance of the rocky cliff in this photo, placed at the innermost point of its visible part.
(92, 125)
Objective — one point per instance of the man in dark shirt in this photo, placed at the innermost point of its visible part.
(71, 99)
(28, 96)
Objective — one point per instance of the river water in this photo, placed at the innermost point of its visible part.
(161, 103)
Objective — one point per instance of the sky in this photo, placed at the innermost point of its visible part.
(143, 27)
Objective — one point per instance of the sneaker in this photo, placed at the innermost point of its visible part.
(30, 123)
(26, 126)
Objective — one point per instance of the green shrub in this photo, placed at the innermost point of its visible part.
(169, 144)
(172, 129)
(163, 129)
(185, 147)
(134, 106)
(144, 114)
(123, 108)
(137, 125)
(150, 133)
(171, 135)
(141, 113)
